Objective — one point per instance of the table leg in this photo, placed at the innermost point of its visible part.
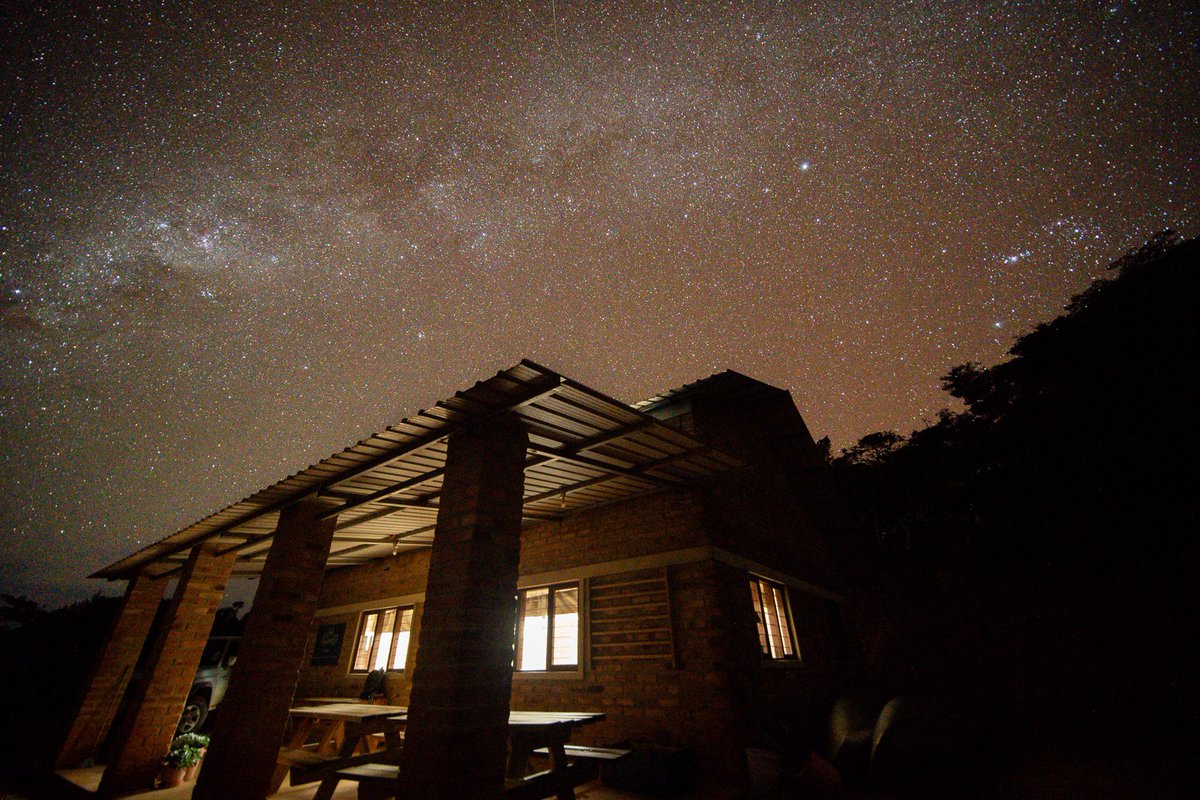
(351, 735)
(333, 738)
(393, 739)
(563, 787)
(300, 731)
(520, 747)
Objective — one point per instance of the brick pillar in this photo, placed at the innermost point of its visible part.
(112, 671)
(158, 696)
(254, 713)
(457, 732)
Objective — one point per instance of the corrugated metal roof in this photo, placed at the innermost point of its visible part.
(724, 382)
(585, 449)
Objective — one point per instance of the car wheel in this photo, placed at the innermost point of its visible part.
(193, 715)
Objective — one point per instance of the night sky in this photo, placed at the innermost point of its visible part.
(236, 237)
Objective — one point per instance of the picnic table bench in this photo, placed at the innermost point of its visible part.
(529, 733)
(378, 782)
(579, 751)
(328, 737)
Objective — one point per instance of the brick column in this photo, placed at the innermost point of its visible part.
(112, 671)
(158, 696)
(250, 726)
(457, 733)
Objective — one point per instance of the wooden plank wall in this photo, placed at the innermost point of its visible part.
(630, 617)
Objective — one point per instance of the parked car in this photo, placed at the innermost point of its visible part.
(211, 681)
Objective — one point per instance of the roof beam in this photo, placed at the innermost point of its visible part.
(383, 494)
(542, 388)
(395, 540)
(594, 463)
(608, 477)
(544, 456)
(565, 490)
(537, 388)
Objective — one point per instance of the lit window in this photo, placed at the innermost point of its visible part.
(548, 628)
(383, 639)
(775, 637)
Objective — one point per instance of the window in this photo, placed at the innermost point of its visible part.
(220, 651)
(548, 628)
(775, 637)
(383, 639)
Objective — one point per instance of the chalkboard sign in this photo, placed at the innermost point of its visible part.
(328, 647)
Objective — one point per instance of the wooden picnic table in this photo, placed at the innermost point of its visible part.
(532, 730)
(327, 737)
(528, 731)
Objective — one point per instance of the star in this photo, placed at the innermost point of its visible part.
(200, 203)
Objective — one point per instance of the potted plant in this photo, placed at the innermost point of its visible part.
(197, 740)
(176, 763)
(190, 741)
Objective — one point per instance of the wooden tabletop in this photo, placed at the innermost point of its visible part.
(361, 711)
(538, 719)
(349, 712)
(524, 719)
(324, 701)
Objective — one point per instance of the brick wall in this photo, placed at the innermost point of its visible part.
(643, 526)
(657, 523)
(778, 511)
(113, 671)
(386, 578)
(719, 695)
(784, 695)
(254, 714)
(158, 696)
(687, 705)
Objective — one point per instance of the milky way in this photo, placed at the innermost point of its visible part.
(235, 238)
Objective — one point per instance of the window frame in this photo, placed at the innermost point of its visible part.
(391, 658)
(767, 649)
(551, 591)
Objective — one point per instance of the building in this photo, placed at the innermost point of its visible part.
(667, 559)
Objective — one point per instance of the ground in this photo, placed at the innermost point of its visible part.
(81, 783)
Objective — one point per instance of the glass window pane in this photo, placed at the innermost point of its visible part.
(775, 636)
(232, 653)
(403, 629)
(211, 656)
(533, 629)
(566, 627)
(384, 640)
(772, 622)
(362, 655)
(756, 599)
(781, 615)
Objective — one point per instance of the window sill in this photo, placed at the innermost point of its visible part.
(549, 675)
(782, 663)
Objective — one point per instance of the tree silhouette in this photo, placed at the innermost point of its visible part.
(1045, 534)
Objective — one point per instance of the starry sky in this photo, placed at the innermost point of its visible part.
(236, 237)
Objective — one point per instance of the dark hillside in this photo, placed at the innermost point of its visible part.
(1037, 551)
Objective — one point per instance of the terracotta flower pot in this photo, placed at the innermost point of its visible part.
(170, 776)
(189, 774)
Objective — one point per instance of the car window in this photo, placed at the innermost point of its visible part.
(213, 650)
(232, 653)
